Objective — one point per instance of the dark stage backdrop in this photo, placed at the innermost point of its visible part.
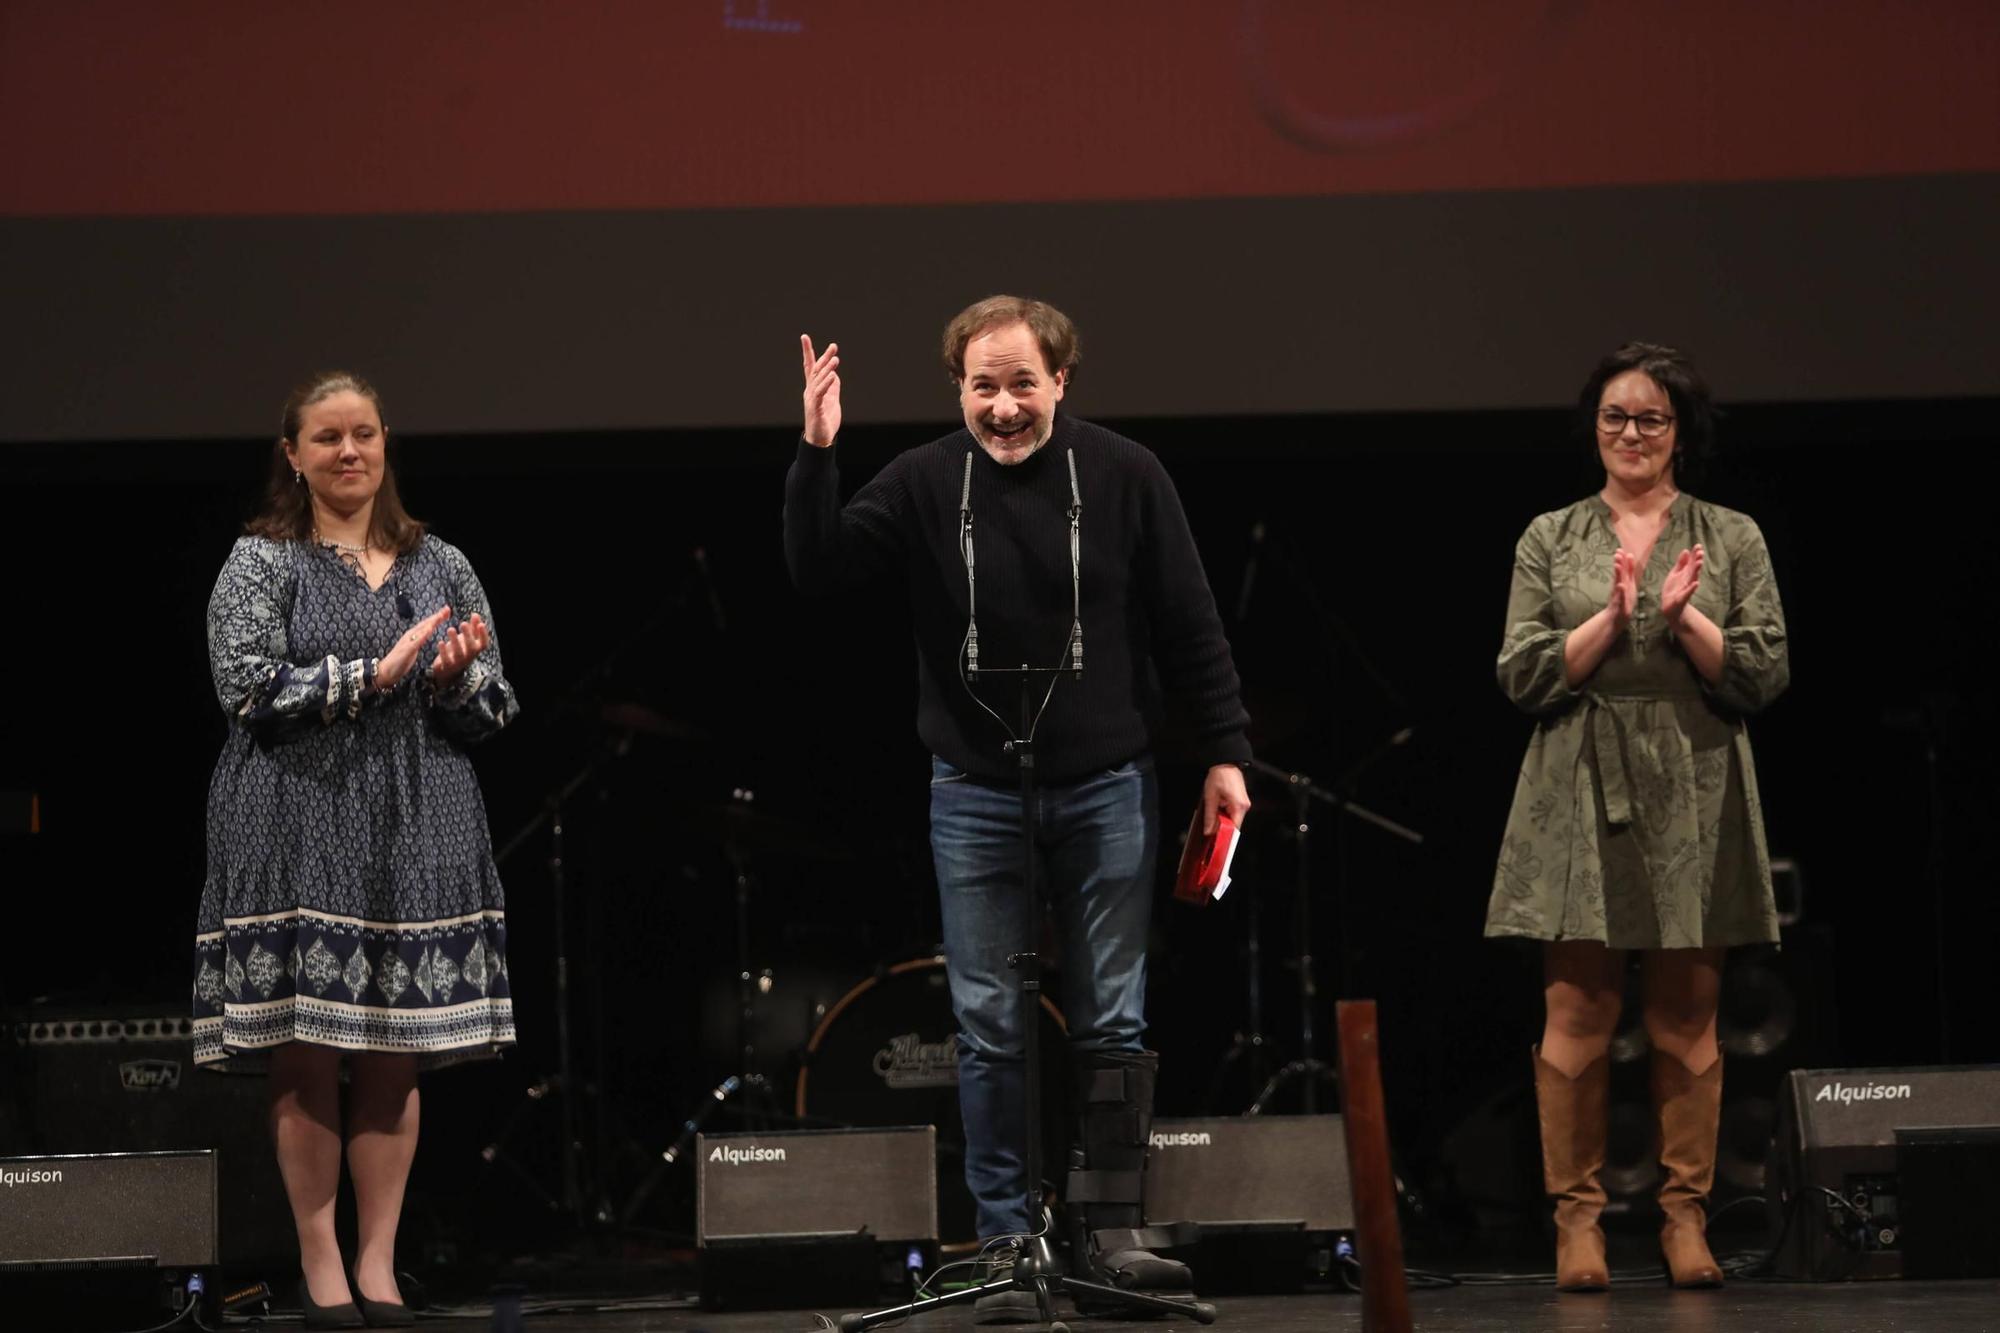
(534, 217)
(1336, 262)
(1376, 606)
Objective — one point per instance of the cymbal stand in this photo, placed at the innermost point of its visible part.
(1308, 1069)
(1249, 1044)
(585, 1197)
(581, 1200)
(747, 1089)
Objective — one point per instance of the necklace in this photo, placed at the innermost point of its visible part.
(346, 552)
(346, 547)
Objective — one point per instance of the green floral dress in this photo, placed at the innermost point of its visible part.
(1636, 819)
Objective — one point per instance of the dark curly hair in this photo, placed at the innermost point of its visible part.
(1670, 368)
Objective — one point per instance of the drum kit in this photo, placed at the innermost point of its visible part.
(806, 1050)
(816, 1045)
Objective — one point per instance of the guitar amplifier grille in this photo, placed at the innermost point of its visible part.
(794, 1184)
(108, 1210)
(1243, 1169)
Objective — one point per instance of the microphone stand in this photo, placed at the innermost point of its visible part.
(585, 1202)
(562, 1084)
(1036, 1269)
(746, 1090)
(1308, 1067)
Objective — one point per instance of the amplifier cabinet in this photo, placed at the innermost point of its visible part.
(1250, 1169)
(1949, 1179)
(817, 1182)
(815, 1216)
(124, 1080)
(1834, 1176)
(108, 1210)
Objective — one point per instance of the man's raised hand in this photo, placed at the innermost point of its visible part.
(822, 394)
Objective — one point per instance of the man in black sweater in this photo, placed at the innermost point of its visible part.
(1076, 537)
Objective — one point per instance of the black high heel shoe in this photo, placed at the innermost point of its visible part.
(379, 1314)
(327, 1316)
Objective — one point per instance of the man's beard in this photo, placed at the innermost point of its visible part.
(1014, 451)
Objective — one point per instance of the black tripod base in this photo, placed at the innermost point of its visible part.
(1104, 1299)
(1107, 1299)
(1037, 1271)
(1199, 1311)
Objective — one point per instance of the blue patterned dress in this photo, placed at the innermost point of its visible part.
(351, 898)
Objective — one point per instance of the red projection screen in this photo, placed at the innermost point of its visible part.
(529, 216)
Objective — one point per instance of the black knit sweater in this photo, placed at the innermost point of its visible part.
(1149, 618)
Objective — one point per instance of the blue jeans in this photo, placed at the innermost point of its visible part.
(1095, 841)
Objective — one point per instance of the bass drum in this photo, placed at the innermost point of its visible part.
(887, 1054)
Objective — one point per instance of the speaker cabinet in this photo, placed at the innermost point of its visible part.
(801, 1217)
(1226, 1171)
(1837, 1179)
(1949, 1179)
(1262, 1189)
(108, 1210)
(124, 1081)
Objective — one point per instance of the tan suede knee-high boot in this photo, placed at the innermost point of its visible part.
(1575, 1121)
(1690, 1110)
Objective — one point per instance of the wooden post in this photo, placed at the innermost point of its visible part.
(20, 812)
(1385, 1298)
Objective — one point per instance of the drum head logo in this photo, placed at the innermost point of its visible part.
(908, 1061)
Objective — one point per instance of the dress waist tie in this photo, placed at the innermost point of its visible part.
(1613, 751)
(1610, 755)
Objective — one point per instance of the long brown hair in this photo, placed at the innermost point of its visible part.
(287, 513)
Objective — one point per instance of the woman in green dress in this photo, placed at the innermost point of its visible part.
(1643, 626)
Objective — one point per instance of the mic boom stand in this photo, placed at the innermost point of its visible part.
(1308, 1067)
(561, 1086)
(1036, 1269)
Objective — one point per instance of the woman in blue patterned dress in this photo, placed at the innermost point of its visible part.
(351, 904)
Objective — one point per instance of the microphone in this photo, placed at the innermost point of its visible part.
(1249, 584)
(971, 587)
(404, 606)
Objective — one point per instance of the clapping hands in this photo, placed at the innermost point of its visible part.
(396, 663)
(1676, 591)
(1624, 598)
(1681, 582)
(461, 644)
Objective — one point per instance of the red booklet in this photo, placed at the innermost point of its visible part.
(1204, 872)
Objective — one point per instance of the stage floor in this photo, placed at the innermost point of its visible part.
(1742, 1307)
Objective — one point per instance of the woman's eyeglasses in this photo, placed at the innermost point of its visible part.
(1652, 425)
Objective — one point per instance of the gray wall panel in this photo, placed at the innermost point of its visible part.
(194, 327)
